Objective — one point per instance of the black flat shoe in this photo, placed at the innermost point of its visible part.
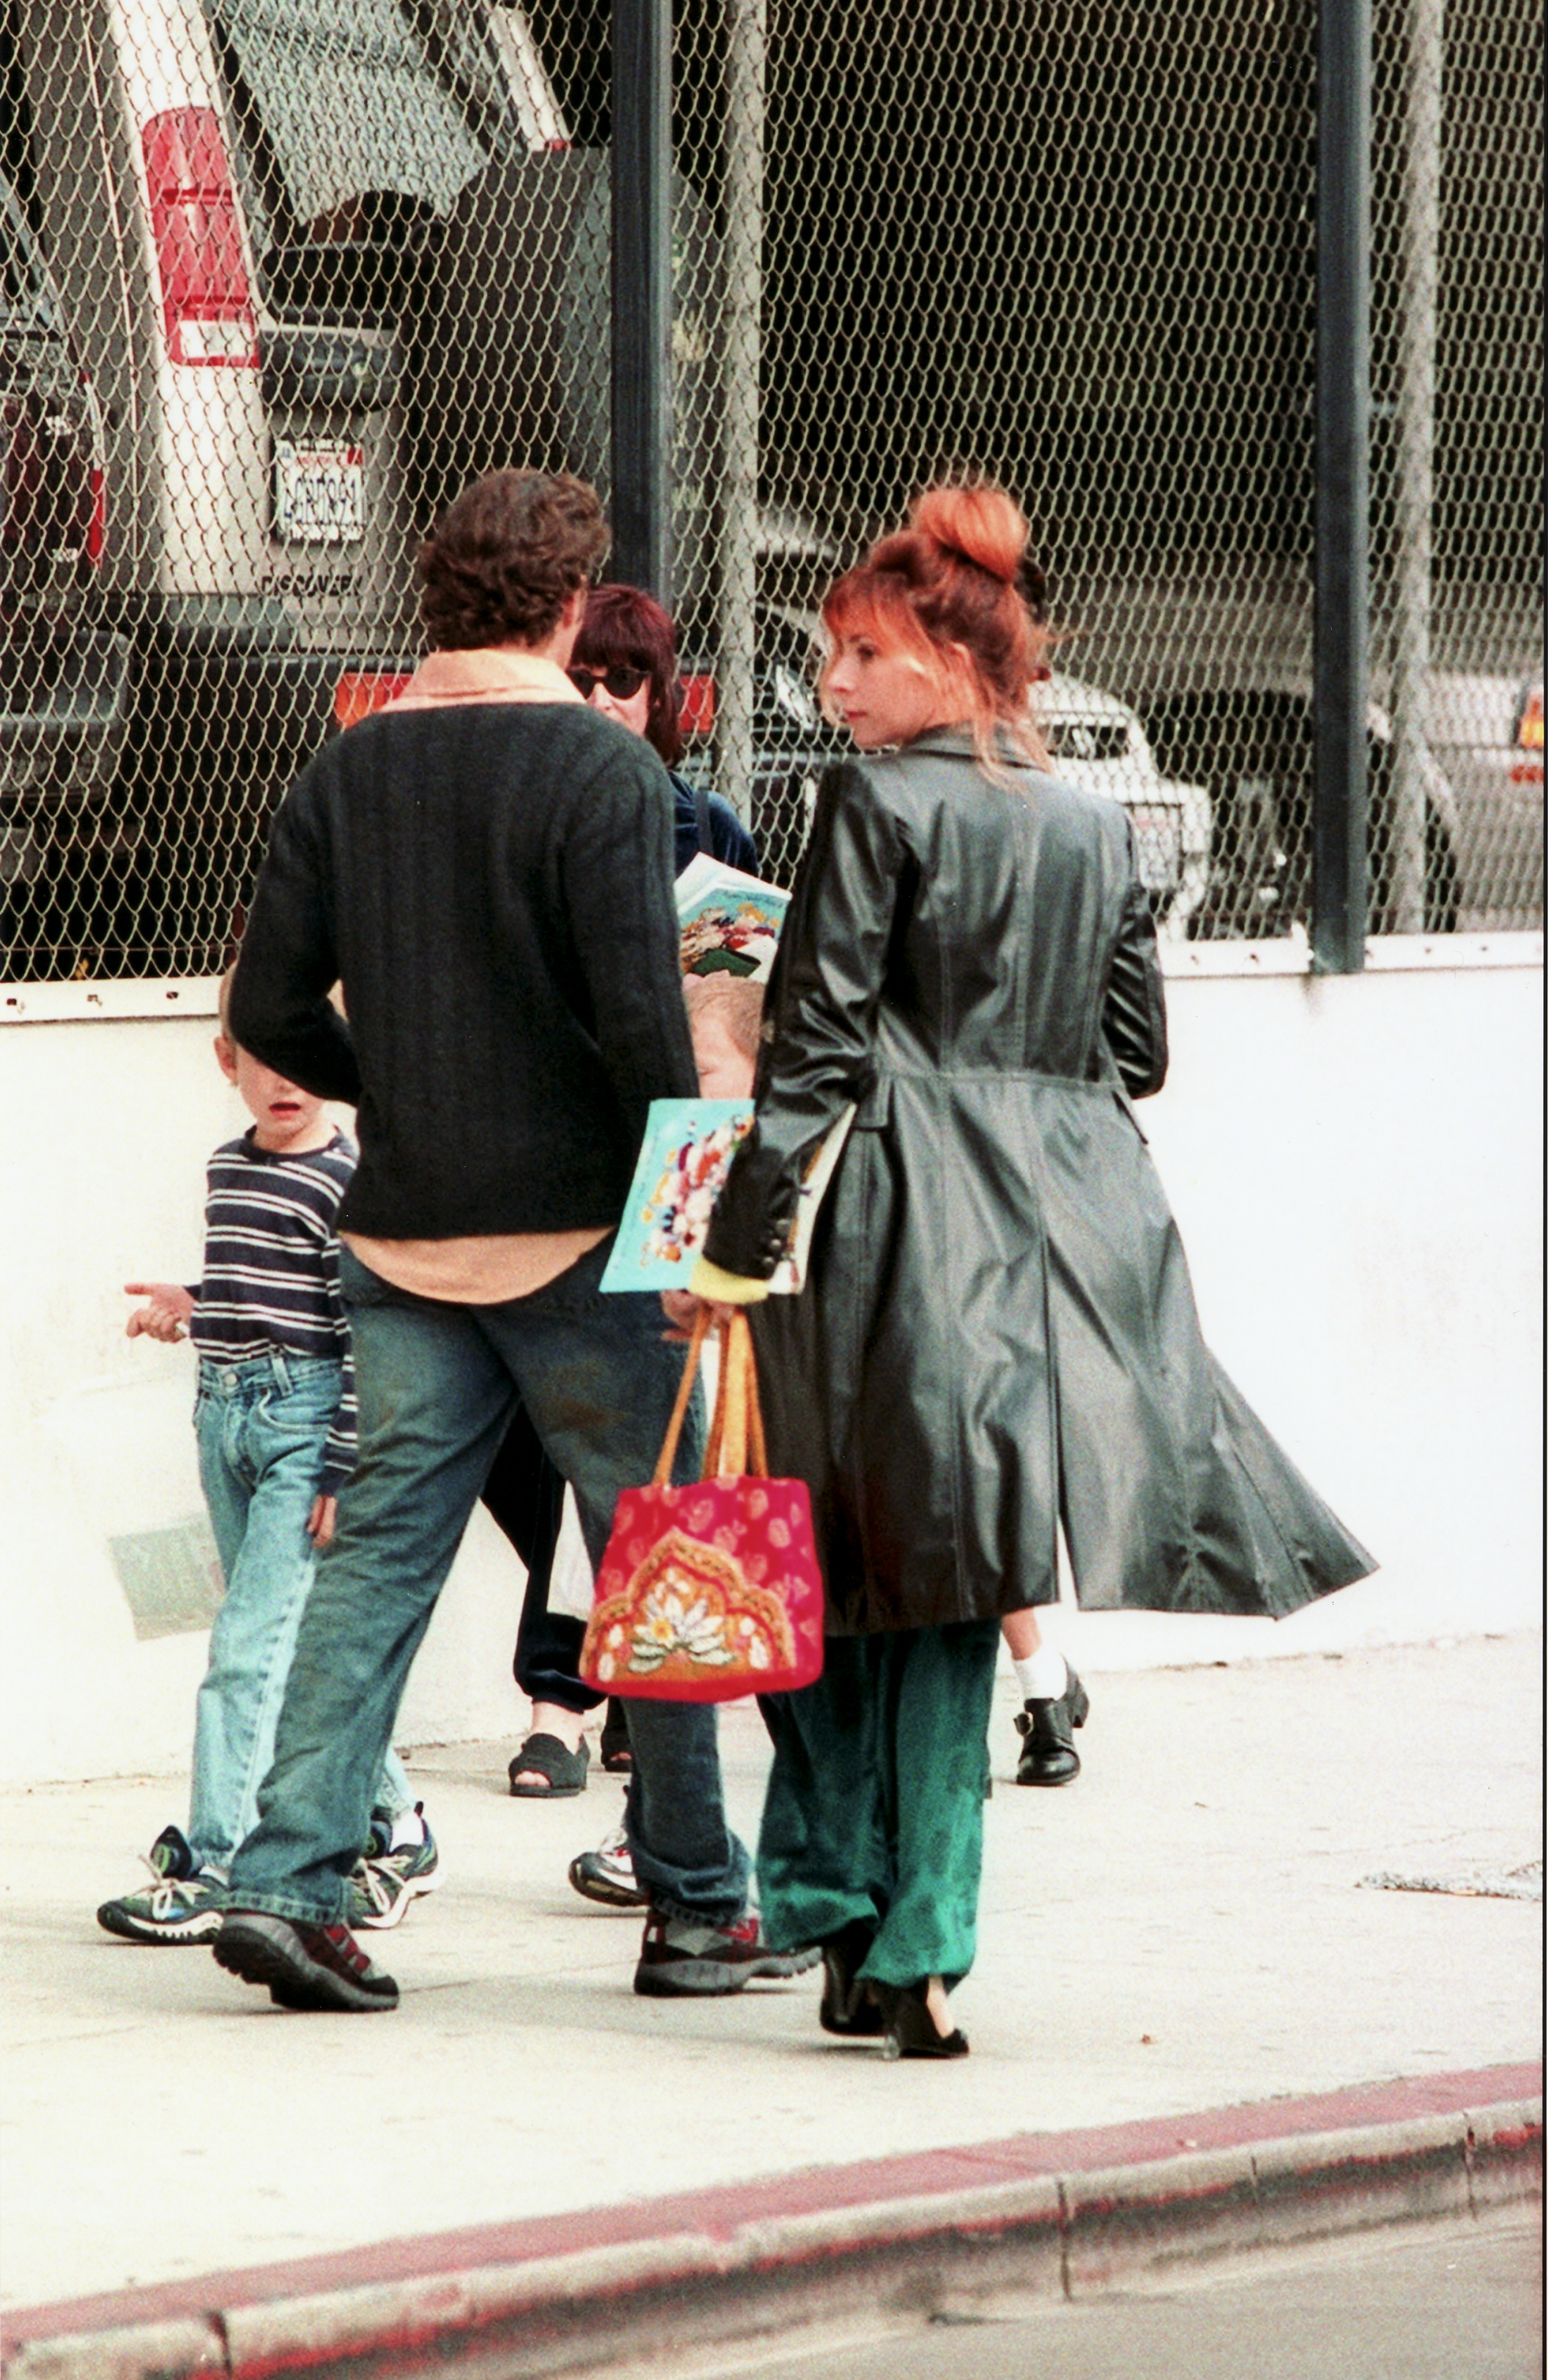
(544, 1756)
(848, 2006)
(1049, 1757)
(911, 2029)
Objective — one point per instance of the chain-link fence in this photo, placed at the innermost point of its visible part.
(280, 276)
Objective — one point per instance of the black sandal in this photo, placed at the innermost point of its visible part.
(547, 1756)
(618, 1756)
(848, 2006)
(911, 2029)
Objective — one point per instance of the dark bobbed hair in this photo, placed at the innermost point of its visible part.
(624, 627)
(505, 557)
(949, 590)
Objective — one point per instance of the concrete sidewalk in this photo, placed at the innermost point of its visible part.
(1187, 1928)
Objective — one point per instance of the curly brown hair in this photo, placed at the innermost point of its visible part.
(504, 558)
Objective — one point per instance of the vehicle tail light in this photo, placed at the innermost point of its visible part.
(196, 227)
(697, 714)
(359, 692)
(96, 520)
(1528, 771)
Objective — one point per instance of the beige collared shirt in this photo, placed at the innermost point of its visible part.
(483, 1272)
(486, 674)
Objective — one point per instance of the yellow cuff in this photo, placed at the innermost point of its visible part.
(707, 1281)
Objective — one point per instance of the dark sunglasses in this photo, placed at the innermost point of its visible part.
(622, 682)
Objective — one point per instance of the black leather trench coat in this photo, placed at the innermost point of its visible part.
(998, 1324)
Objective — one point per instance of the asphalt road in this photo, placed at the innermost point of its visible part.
(1443, 2303)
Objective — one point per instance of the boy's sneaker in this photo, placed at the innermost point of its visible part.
(608, 1875)
(182, 1903)
(171, 1854)
(383, 1882)
(313, 1967)
(683, 1958)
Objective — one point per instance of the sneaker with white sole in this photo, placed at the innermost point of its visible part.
(311, 1967)
(608, 1875)
(686, 1958)
(383, 1882)
(182, 1903)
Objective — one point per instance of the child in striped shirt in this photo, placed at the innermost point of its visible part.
(274, 1416)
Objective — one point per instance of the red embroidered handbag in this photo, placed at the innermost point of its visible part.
(710, 1590)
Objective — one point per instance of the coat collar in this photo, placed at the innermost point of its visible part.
(484, 674)
(957, 744)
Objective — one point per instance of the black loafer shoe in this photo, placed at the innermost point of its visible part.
(1048, 1755)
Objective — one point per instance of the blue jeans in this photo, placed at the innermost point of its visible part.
(263, 1427)
(438, 1385)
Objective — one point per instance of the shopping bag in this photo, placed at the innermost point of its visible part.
(710, 1590)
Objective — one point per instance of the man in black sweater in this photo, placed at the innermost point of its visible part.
(486, 869)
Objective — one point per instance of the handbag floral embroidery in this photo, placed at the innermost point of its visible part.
(710, 1590)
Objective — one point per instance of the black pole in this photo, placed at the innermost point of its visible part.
(642, 294)
(1342, 527)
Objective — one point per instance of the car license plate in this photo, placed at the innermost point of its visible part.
(319, 493)
(1158, 840)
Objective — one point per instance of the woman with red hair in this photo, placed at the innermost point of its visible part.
(997, 1329)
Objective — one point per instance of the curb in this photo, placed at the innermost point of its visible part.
(1060, 2215)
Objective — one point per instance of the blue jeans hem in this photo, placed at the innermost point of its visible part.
(283, 1904)
(723, 1914)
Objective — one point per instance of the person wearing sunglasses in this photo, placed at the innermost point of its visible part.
(624, 665)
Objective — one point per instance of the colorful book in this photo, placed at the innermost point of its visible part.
(683, 1161)
(729, 921)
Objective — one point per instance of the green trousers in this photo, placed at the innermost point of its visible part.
(874, 1808)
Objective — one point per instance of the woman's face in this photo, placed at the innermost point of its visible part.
(631, 710)
(882, 698)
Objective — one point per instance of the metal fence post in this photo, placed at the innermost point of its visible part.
(642, 294)
(1342, 505)
(746, 35)
(1415, 468)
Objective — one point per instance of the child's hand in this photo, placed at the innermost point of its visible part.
(166, 1316)
(320, 1520)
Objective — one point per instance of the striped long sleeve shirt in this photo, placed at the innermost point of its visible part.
(271, 1269)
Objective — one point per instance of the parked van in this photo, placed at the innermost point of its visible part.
(62, 673)
(234, 195)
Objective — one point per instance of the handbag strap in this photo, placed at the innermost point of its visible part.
(755, 1446)
(667, 1456)
(735, 1446)
(727, 1458)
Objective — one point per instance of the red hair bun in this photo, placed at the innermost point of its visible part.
(981, 524)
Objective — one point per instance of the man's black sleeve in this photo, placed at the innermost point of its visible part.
(617, 865)
(280, 1008)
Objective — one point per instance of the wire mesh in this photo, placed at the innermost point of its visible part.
(281, 275)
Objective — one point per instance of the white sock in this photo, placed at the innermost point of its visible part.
(408, 1828)
(1044, 1677)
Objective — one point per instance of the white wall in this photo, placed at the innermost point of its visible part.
(1355, 1164)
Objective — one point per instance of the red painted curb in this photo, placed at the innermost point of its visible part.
(720, 2215)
